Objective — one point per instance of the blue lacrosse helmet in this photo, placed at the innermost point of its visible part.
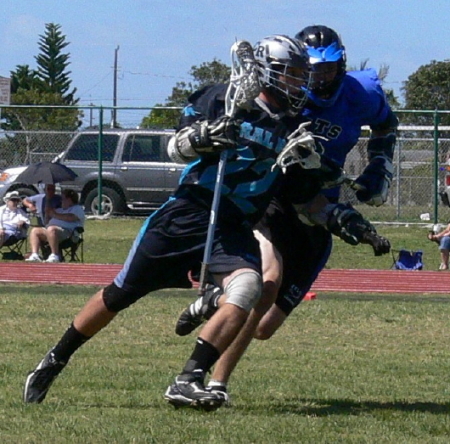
(328, 60)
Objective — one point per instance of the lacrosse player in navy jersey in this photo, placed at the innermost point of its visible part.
(172, 240)
(295, 251)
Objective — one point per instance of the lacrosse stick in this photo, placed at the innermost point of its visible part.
(243, 88)
(352, 184)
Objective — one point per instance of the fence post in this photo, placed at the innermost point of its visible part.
(100, 161)
(436, 165)
(398, 189)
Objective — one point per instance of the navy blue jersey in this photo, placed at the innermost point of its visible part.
(361, 101)
(250, 179)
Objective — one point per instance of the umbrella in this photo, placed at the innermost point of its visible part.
(46, 172)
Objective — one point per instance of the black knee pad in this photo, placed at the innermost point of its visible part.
(117, 299)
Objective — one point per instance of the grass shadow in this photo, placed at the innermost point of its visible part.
(326, 407)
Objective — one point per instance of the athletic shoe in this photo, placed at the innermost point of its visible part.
(53, 258)
(41, 378)
(222, 391)
(203, 308)
(34, 257)
(188, 391)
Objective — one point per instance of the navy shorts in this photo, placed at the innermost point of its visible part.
(304, 249)
(171, 243)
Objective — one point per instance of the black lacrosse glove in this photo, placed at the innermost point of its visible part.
(211, 137)
(349, 224)
(380, 244)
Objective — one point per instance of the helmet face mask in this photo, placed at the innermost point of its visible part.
(284, 71)
(324, 79)
(326, 52)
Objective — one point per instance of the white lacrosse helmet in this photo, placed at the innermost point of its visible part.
(275, 55)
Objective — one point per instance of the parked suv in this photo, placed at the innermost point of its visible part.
(137, 173)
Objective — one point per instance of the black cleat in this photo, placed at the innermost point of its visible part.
(222, 391)
(200, 310)
(188, 391)
(41, 378)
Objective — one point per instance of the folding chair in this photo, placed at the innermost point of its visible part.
(407, 260)
(13, 248)
(71, 249)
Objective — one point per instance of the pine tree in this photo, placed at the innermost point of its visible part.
(52, 64)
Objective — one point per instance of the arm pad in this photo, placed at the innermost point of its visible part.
(376, 178)
(382, 146)
(375, 181)
(348, 224)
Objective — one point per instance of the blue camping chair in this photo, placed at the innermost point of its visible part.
(407, 260)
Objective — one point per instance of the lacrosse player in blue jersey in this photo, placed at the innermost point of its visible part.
(172, 240)
(295, 251)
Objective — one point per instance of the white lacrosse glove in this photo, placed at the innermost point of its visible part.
(301, 149)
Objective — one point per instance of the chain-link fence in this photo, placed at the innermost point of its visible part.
(421, 160)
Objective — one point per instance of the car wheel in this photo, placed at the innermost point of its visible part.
(25, 192)
(111, 202)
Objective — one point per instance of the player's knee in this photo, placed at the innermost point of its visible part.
(244, 290)
(263, 332)
(270, 292)
(116, 299)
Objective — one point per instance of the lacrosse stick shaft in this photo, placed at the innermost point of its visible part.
(212, 222)
(244, 86)
(352, 184)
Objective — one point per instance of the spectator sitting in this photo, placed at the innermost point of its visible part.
(39, 202)
(443, 239)
(60, 227)
(13, 220)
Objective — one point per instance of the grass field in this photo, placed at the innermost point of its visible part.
(108, 241)
(344, 369)
(360, 369)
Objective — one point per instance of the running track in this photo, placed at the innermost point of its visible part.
(354, 281)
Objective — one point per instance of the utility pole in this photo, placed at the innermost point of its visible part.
(114, 112)
(90, 115)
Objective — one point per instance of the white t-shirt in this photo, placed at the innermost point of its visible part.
(75, 209)
(10, 218)
(38, 201)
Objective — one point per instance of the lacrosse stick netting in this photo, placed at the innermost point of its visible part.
(243, 88)
(244, 79)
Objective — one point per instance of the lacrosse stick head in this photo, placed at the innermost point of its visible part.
(328, 60)
(284, 70)
(244, 80)
(304, 154)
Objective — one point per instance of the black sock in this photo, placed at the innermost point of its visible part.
(203, 357)
(70, 342)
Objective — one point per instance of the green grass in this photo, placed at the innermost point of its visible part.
(108, 241)
(358, 369)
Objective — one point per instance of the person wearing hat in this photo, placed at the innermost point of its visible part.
(13, 220)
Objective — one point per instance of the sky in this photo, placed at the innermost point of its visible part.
(158, 41)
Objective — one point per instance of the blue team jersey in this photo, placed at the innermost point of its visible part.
(361, 102)
(250, 179)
